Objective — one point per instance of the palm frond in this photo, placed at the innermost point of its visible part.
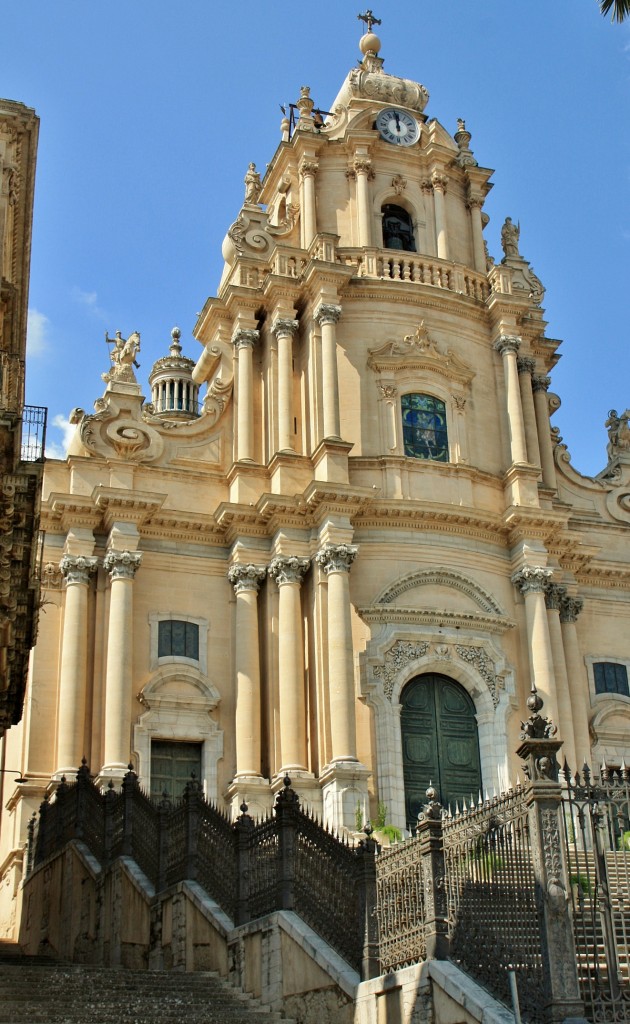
(620, 9)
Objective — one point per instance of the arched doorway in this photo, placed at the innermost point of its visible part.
(439, 742)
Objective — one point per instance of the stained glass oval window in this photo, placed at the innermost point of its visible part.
(424, 427)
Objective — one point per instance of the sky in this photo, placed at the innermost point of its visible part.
(151, 111)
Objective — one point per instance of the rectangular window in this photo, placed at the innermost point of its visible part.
(178, 639)
(172, 766)
(611, 678)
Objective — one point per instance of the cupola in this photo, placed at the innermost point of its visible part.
(173, 391)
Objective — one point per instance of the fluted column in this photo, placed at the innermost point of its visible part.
(335, 560)
(288, 573)
(540, 385)
(475, 202)
(363, 169)
(532, 581)
(122, 567)
(246, 580)
(244, 341)
(526, 366)
(554, 596)
(439, 182)
(508, 346)
(284, 328)
(308, 170)
(576, 672)
(327, 316)
(77, 570)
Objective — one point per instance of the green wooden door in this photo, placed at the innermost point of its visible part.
(171, 767)
(439, 741)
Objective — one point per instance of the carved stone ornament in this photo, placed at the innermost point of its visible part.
(439, 182)
(51, 576)
(399, 184)
(525, 364)
(532, 579)
(388, 391)
(571, 608)
(243, 338)
(370, 82)
(396, 658)
(507, 343)
(122, 565)
(418, 351)
(540, 383)
(536, 727)
(284, 326)
(78, 568)
(485, 667)
(327, 313)
(288, 569)
(618, 428)
(246, 577)
(123, 357)
(554, 596)
(253, 184)
(308, 168)
(510, 234)
(336, 557)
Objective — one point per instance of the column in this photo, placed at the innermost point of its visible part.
(244, 341)
(439, 182)
(578, 684)
(308, 170)
(73, 680)
(540, 385)
(532, 581)
(526, 366)
(554, 596)
(284, 328)
(475, 202)
(122, 567)
(335, 560)
(327, 316)
(508, 346)
(246, 580)
(288, 573)
(364, 173)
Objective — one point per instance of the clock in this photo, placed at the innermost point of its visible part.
(398, 127)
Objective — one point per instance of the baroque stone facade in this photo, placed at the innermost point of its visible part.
(366, 504)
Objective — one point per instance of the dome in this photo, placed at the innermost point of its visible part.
(173, 392)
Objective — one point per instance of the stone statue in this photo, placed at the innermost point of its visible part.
(618, 428)
(123, 357)
(253, 184)
(510, 234)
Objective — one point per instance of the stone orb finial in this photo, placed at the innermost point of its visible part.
(369, 43)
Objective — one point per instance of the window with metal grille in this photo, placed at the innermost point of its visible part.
(424, 427)
(610, 677)
(178, 639)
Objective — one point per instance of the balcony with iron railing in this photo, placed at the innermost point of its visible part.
(33, 443)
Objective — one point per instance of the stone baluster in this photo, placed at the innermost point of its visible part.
(364, 174)
(570, 608)
(439, 182)
(475, 202)
(246, 580)
(554, 596)
(122, 567)
(526, 367)
(288, 573)
(244, 342)
(508, 346)
(335, 560)
(327, 316)
(73, 675)
(532, 581)
(308, 170)
(284, 328)
(540, 385)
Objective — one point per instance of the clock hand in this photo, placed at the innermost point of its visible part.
(397, 121)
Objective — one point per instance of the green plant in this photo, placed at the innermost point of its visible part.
(358, 817)
(583, 883)
(393, 834)
(381, 816)
(623, 842)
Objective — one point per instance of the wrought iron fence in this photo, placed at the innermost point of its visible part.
(33, 433)
(400, 906)
(597, 838)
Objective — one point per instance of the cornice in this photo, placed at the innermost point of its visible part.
(410, 515)
(413, 293)
(415, 616)
(119, 505)
(68, 510)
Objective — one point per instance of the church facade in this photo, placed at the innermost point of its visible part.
(345, 541)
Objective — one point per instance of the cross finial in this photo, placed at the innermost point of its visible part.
(369, 19)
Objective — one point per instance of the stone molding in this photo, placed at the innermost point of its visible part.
(507, 343)
(283, 326)
(78, 568)
(243, 338)
(441, 576)
(288, 569)
(327, 313)
(246, 577)
(336, 557)
(122, 565)
(532, 579)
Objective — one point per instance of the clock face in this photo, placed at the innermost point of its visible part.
(398, 127)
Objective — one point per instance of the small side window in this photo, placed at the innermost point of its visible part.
(424, 427)
(610, 677)
(178, 639)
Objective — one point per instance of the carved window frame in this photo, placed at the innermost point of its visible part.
(155, 661)
(598, 698)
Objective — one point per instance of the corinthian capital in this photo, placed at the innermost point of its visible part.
(78, 568)
(525, 364)
(363, 165)
(336, 557)
(439, 182)
(308, 168)
(554, 596)
(571, 608)
(540, 383)
(246, 577)
(507, 343)
(243, 338)
(327, 313)
(289, 569)
(122, 565)
(284, 325)
(532, 579)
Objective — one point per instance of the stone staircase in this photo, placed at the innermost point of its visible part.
(39, 990)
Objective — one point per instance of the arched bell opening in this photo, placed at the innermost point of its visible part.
(398, 232)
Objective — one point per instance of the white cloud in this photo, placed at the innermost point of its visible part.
(90, 301)
(37, 333)
(58, 448)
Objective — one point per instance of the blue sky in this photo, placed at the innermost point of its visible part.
(150, 112)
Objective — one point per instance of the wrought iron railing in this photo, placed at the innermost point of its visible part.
(33, 433)
(400, 906)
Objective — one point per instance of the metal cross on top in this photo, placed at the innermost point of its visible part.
(369, 19)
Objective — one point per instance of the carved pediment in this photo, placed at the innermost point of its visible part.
(418, 351)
